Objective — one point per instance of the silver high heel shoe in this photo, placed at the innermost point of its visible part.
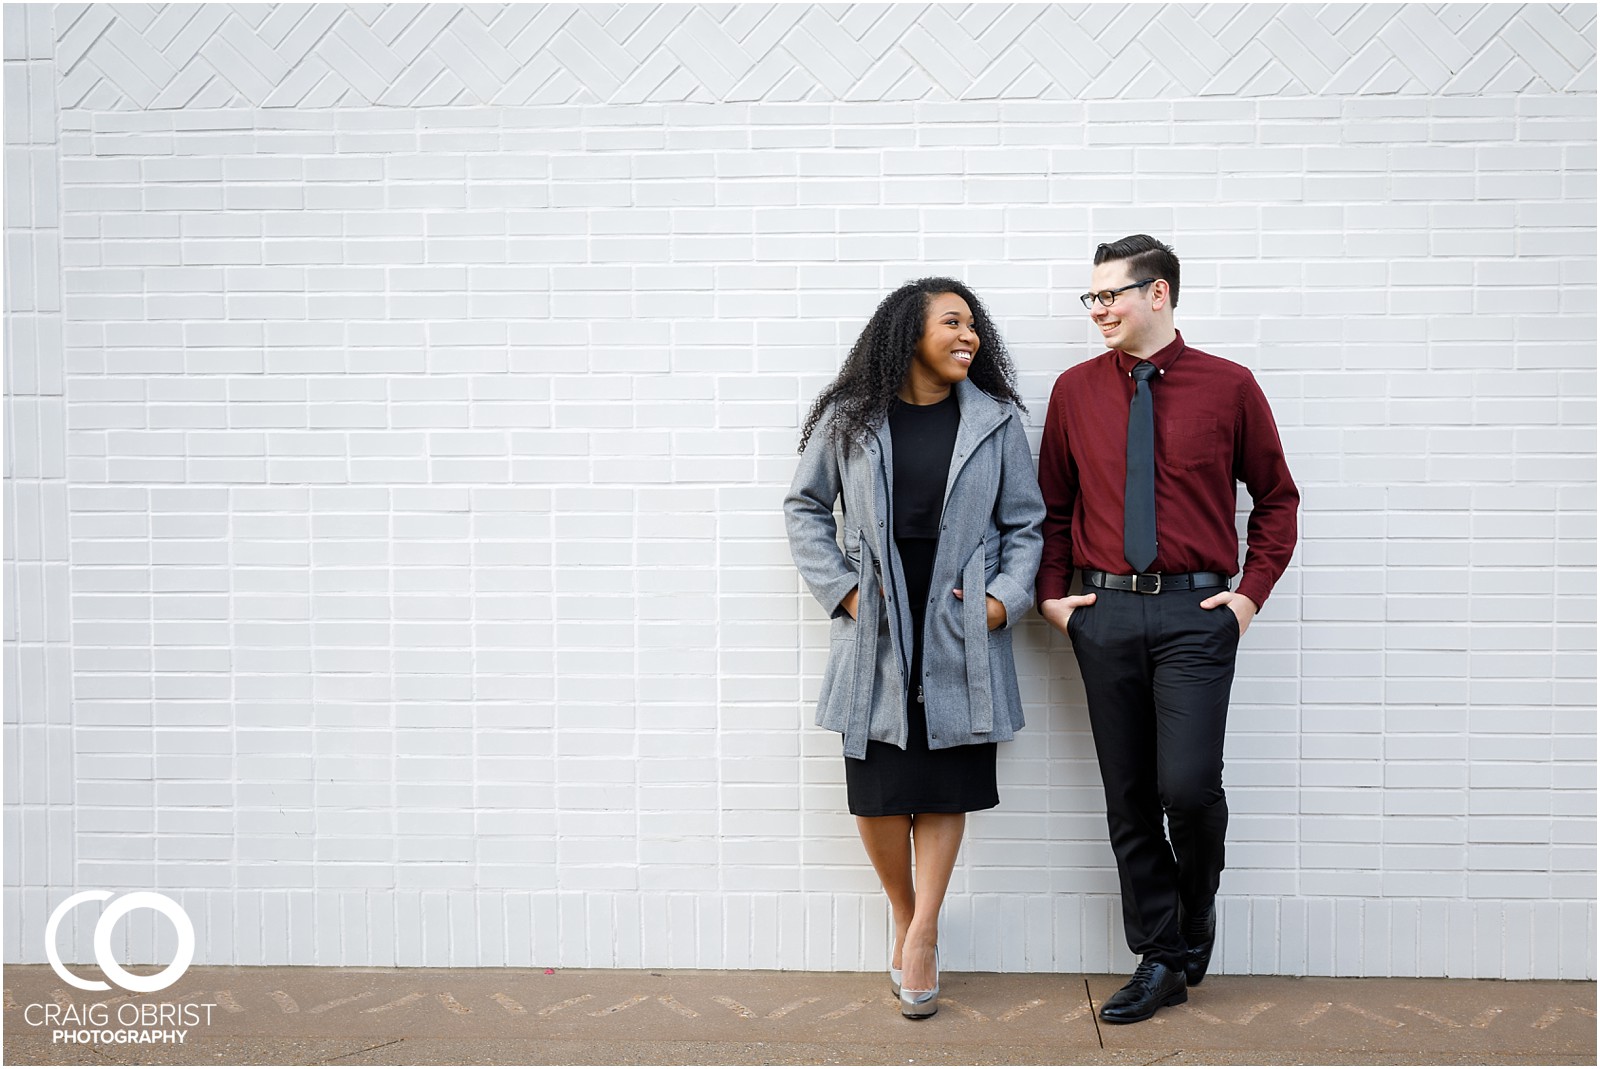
(894, 979)
(919, 1004)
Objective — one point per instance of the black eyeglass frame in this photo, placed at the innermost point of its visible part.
(1088, 299)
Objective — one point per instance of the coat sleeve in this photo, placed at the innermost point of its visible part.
(1019, 514)
(808, 516)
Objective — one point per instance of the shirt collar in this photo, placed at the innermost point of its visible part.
(1163, 359)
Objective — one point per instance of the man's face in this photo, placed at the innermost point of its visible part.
(1131, 321)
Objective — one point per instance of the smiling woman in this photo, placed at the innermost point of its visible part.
(944, 354)
(876, 369)
(923, 441)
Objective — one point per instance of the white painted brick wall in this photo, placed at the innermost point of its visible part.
(39, 780)
(399, 414)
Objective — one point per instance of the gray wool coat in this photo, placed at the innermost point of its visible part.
(990, 542)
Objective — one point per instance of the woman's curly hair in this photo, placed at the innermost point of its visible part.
(868, 384)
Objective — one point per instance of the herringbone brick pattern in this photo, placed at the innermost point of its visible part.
(159, 57)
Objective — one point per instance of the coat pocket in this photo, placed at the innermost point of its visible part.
(1007, 698)
(840, 679)
(831, 697)
(975, 576)
(852, 544)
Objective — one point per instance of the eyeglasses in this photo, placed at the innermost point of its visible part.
(1108, 297)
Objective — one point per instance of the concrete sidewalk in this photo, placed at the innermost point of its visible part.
(360, 1016)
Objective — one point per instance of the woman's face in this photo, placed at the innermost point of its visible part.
(949, 343)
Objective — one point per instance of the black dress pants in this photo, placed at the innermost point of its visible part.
(1157, 669)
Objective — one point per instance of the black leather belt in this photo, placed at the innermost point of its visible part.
(1149, 583)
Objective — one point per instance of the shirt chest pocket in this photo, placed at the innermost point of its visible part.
(1192, 442)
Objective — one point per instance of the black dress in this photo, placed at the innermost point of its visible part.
(890, 781)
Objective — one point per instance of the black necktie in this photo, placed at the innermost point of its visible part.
(1139, 496)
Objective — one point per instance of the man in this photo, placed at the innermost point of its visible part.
(1143, 448)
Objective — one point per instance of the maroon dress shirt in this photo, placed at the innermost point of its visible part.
(1213, 430)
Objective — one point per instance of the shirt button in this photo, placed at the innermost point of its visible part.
(880, 523)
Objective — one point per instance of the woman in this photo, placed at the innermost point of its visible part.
(921, 437)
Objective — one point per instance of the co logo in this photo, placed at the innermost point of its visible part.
(102, 941)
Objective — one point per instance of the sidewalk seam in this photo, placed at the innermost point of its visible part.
(364, 1050)
(1093, 1015)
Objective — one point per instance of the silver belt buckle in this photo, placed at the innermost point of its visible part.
(1140, 588)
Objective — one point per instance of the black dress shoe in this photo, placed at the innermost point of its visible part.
(1153, 986)
(1200, 932)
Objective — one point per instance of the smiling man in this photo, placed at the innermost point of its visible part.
(1144, 446)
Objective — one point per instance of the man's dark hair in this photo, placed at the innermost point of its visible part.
(1146, 257)
(868, 384)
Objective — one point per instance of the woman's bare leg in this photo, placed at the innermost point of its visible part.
(888, 843)
(938, 840)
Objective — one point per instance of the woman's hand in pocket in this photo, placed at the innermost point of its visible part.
(852, 601)
(993, 608)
